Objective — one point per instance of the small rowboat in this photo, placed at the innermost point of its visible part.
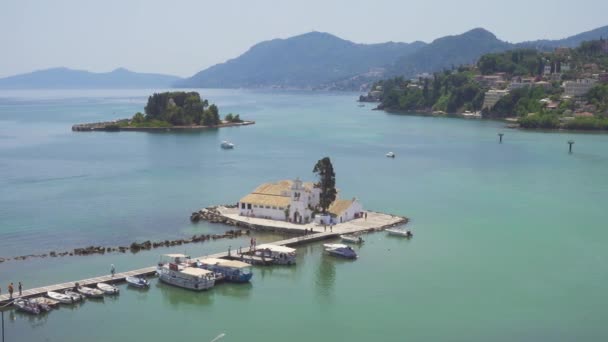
(139, 282)
(65, 299)
(27, 306)
(107, 288)
(351, 238)
(91, 293)
(75, 296)
(400, 232)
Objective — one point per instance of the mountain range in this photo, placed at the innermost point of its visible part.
(314, 60)
(64, 78)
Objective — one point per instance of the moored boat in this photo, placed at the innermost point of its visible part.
(90, 292)
(351, 238)
(75, 296)
(229, 270)
(279, 254)
(400, 232)
(107, 288)
(390, 155)
(227, 145)
(340, 250)
(62, 298)
(139, 282)
(27, 306)
(45, 304)
(181, 274)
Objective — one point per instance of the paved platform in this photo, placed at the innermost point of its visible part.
(374, 221)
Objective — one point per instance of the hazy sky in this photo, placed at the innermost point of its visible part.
(183, 37)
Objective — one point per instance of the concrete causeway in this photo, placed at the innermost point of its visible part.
(375, 221)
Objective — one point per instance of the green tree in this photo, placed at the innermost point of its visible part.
(327, 183)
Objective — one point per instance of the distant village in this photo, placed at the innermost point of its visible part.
(565, 75)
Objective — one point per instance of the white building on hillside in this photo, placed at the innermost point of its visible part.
(492, 96)
(579, 87)
(293, 201)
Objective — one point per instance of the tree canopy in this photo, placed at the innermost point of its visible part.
(327, 183)
(179, 108)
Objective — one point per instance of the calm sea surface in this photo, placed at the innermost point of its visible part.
(510, 239)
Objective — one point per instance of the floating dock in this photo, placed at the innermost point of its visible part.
(374, 222)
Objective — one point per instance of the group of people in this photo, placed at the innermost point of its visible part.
(11, 289)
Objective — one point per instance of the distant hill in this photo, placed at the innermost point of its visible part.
(303, 61)
(571, 42)
(321, 60)
(445, 52)
(68, 78)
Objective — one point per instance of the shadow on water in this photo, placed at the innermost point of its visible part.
(176, 296)
(239, 291)
(325, 277)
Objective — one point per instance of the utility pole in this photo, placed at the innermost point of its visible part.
(500, 137)
(570, 142)
(2, 325)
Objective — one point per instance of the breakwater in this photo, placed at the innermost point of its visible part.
(134, 247)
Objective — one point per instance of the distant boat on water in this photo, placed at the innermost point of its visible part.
(390, 155)
(227, 145)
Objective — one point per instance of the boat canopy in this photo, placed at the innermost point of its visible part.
(277, 249)
(195, 272)
(225, 263)
(335, 245)
(175, 255)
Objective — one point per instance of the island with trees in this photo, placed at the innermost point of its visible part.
(562, 89)
(176, 110)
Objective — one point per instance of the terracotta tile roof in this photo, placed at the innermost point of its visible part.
(266, 200)
(340, 206)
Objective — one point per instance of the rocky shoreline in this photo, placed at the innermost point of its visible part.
(133, 247)
(114, 126)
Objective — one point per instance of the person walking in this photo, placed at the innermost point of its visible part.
(366, 215)
(112, 270)
(20, 287)
(10, 290)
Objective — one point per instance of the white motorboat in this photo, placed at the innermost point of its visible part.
(400, 232)
(351, 238)
(227, 145)
(139, 282)
(280, 255)
(75, 296)
(107, 288)
(340, 250)
(27, 306)
(390, 155)
(62, 298)
(90, 292)
(182, 274)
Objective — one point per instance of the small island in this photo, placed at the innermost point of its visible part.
(176, 110)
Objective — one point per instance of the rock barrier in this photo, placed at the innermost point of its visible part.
(134, 247)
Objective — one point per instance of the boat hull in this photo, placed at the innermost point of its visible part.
(179, 282)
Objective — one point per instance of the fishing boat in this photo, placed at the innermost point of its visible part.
(351, 238)
(400, 232)
(139, 282)
(280, 255)
(75, 296)
(27, 306)
(107, 288)
(390, 155)
(233, 271)
(90, 292)
(60, 297)
(227, 145)
(181, 273)
(340, 250)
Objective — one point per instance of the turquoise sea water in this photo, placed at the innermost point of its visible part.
(509, 238)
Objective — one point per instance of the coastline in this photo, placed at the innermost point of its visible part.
(112, 126)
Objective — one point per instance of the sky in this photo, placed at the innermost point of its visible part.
(182, 37)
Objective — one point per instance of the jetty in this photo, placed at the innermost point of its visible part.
(117, 125)
(307, 233)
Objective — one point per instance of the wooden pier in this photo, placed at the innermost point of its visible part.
(356, 227)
